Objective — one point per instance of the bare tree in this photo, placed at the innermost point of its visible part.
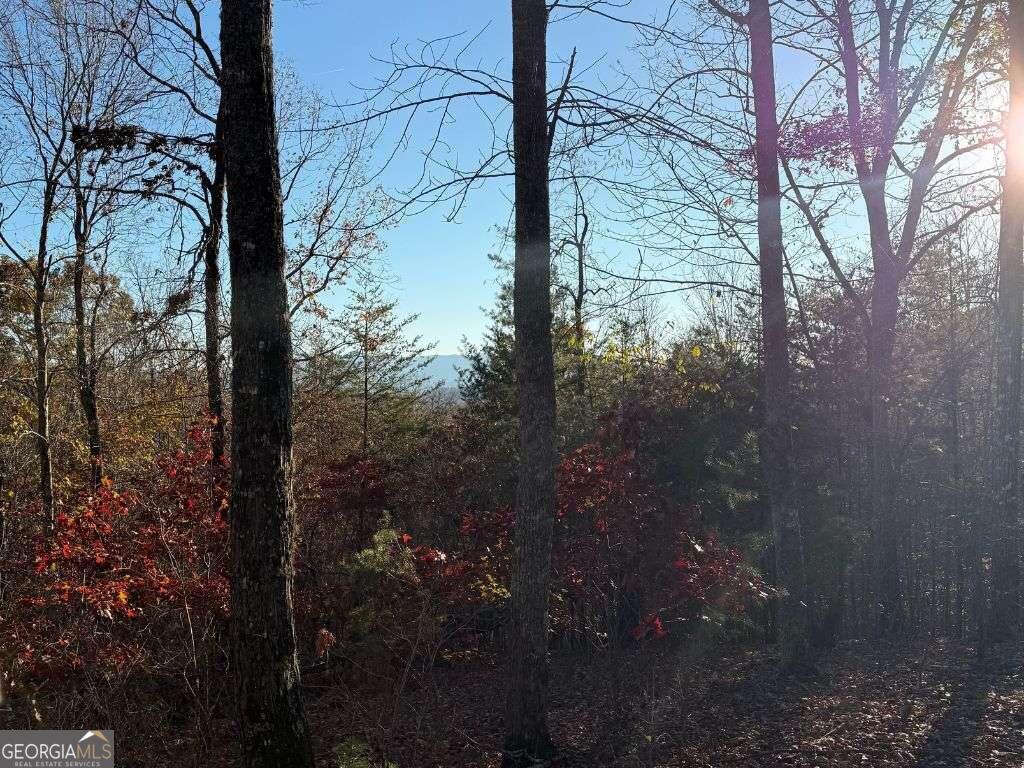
(185, 71)
(112, 94)
(577, 241)
(44, 85)
(326, 197)
(874, 145)
(776, 447)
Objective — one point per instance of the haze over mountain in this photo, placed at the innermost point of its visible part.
(444, 370)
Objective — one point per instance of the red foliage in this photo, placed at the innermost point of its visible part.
(590, 479)
(826, 140)
(619, 541)
(616, 539)
(710, 574)
(829, 139)
(355, 482)
(651, 626)
(118, 561)
(625, 548)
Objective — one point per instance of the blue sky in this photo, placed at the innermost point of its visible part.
(443, 270)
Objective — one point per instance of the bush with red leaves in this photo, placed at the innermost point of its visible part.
(124, 572)
(630, 560)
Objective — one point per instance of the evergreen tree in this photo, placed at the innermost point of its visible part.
(384, 367)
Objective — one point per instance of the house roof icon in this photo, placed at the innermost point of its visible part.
(94, 734)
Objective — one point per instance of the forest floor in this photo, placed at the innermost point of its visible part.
(931, 706)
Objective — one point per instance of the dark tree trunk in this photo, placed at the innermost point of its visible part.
(211, 308)
(365, 441)
(579, 239)
(1005, 528)
(272, 724)
(42, 402)
(41, 343)
(86, 368)
(885, 511)
(577, 312)
(527, 739)
(881, 331)
(776, 443)
(955, 531)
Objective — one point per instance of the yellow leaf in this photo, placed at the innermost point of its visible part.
(696, 351)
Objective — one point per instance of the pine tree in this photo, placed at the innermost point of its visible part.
(385, 365)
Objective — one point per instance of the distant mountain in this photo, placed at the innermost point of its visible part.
(444, 370)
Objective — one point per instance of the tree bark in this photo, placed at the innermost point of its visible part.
(956, 531)
(1005, 608)
(211, 307)
(775, 442)
(881, 330)
(272, 724)
(365, 441)
(41, 342)
(577, 312)
(527, 739)
(86, 368)
(884, 509)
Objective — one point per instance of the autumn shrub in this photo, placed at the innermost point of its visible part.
(369, 616)
(656, 504)
(388, 606)
(119, 608)
(630, 560)
(633, 558)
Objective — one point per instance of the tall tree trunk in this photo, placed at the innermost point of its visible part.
(776, 443)
(881, 331)
(1005, 529)
(954, 529)
(527, 739)
(41, 342)
(272, 724)
(884, 510)
(211, 307)
(577, 313)
(365, 442)
(86, 369)
(581, 231)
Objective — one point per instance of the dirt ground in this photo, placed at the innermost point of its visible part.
(932, 706)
